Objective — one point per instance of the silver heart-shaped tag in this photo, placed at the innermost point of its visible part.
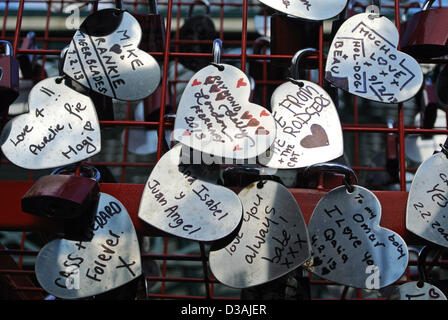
(308, 127)
(363, 59)
(74, 269)
(112, 64)
(427, 207)
(177, 201)
(349, 246)
(61, 128)
(308, 9)
(215, 116)
(419, 291)
(272, 241)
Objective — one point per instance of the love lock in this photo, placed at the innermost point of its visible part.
(67, 198)
(197, 28)
(9, 78)
(426, 33)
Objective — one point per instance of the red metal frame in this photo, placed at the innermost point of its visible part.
(13, 219)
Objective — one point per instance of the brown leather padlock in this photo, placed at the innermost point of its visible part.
(426, 33)
(153, 28)
(67, 198)
(9, 78)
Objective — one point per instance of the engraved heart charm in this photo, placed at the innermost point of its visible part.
(363, 59)
(308, 127)
(60, 128)
(192, 208)
(272, 240)
(308, 9)
(74, 269)
(220, 117)
(349, 246)
(111, 63)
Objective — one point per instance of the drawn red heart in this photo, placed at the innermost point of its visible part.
(241, 83)
(214, 88)
(261, 131)
(209, 80)
(433, 294)
(264, 114)
(187, 133)
(196, 83)
(318, 138)
(246, 115)
(253, 122)
(237, 147)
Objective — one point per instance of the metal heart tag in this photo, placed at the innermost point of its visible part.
(308, 127)
(215, 116)
(112, 64)
(272, 241)
(74, 269)
(308, 9)
(180, 203)
(415, 291)
(60, 128)
(426, 210)
(349, 246)
(363, 59)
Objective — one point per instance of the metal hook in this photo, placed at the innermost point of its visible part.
(8, 47)
(205, 3)
(217, 50)
(90, 171)
(295, 62)
(427, 5)
(119, 4)
(374, 9)
(337, 168)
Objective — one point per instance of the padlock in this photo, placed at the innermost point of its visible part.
(197, 28)
(70, 199)
(426, 33)
(30, 68)
(153, 28)
(9, 77)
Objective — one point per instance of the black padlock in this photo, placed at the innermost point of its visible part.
(9, 78)
(197, 28)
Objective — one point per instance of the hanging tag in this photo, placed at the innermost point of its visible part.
(310, 9)
(214, 115)
(272, 241)
(74, 269)
(426, 213)
(363, 59)
(60, 128)
(308, 126)
(415, 290)
(177, 201)
(107, 60)
(349, 246)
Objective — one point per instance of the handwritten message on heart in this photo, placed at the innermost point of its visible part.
(363, 59)
(272, 241)
(113, 65)
(214, 115)
(74, 269)
(308, 9)
(346, 240)
(60, 128)
(308, 127)
(190, 208)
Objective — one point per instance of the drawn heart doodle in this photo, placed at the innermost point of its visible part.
(217, 117)
(308, 9)
(363, 59)
(345, 234)
(195, 83)
(272, 226)
(415, 290)
(74, 269)
(241, 83)
(299, 110)
(129, 77)
(60, 128)
(194, 209)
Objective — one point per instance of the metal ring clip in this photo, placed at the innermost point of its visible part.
(217, 50)
(86, 171)
(295, 64)
(337, 168)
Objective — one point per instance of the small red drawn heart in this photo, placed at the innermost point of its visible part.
(186, 133)
(261, 131)
(253, 122)
(209, 80)
(237, 147)
(318, 138)
(196, 83)
(214, 88)
(241, 83)
(264, 113)
(433, 294)
(246, 115)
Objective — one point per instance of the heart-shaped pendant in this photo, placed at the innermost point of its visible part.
(219, 116)
(308, 127)
(60, 128)
(272, 241)
(191, 208)
(348, 243)
(74, 269)
(308, 9)
(415, 290)
(426, 210)
(363, 59)
(110, 62)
